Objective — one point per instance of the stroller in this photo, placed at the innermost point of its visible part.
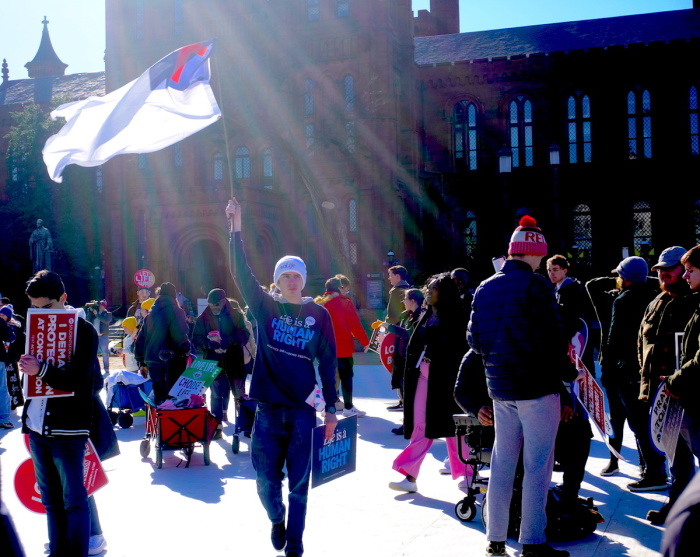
(123, 397)
(479, 439)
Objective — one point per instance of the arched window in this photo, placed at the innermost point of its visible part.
(242, 163)
(313, 10)
(639, 124)
(349, 93)
(350, 136)
(99, 182)
(582, 233)
(579, 128)
(352, 216)
(342, 8)
(469, 233)
(267, 168)
(521, 138)
(694, 125)
(465, 135)
(308, 97)
(310, 135)
(218, 171)
(641, 228)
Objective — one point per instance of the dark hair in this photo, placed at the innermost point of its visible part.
(344, 281)
(167, 289)
(399, 270)
(448, 300)
(45, 284)
(415, 294)
(692, 256)
(560, 260)
(333, 284)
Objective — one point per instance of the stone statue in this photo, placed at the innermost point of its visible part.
(41, 247)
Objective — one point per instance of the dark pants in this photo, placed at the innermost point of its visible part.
(571, 450)
(164, 375)
(221, 388)
(59, 473)
(282, 437)
(346, 374)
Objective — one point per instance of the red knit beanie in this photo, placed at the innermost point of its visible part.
(527, 239)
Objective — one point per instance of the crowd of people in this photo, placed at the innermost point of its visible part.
(501, 352)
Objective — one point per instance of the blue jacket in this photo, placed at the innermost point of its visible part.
(516, 327)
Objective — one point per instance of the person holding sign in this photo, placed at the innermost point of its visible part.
(293, 333)
(59, 427)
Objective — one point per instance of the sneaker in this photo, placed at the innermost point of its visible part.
(404, 485)
(446, 466)
(278, 536)
(648, 483)
(97, 545)
(496, 548)
(218, 434)
(611, 469)
(6, 425)
(292, 553)
(397, 430)
(542, 550)
(396, 407)
(225, 417)
(657, 518)
(354, 411)
(339, 405)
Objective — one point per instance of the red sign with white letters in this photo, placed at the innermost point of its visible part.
(386, 351)
(143, 278)
(50, 338)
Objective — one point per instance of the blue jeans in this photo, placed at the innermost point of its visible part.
(59, 473)
(282, 436)
(221, 388)
(530, 425)
(103, 341)
(4, 395)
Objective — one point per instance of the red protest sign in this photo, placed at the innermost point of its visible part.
(143, 278)
(27, 489)
(386, 351)
(50, 338)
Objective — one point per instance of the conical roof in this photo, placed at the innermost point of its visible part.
(46, 63)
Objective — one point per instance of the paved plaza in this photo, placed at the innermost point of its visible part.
(214, 510)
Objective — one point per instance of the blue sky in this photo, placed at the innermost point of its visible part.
(77, 26)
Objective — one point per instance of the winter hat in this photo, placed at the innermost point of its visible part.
(670, 257)
(527, 239)
(215, 296)
(7, 311)
(168, 289)
(291, 263)
(129, 323)
(633, 269)
(148, 304)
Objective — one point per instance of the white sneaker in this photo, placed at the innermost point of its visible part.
(404, 485)
(350, 412)
(446, 466)
(97, 545)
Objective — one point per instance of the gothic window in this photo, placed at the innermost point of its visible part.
(694, 125)
(583, 235)
(353, 253)
(465, 135)
(521, 138)
(310, 135)
(579, 128)
(350, 136)
(639, 124)
(99, 182)
(352, 216)
(267, 168)
(242, 163)
(308, 97)
(218, 171)
(313, 10)
(641, 228)
(349, 93)
(469, 233)
(342, 8)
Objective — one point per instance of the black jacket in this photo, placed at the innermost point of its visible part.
(164, 328)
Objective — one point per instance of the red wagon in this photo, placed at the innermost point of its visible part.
(178, 429)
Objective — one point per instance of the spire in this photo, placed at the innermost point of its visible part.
(46, 63)
(5, 72)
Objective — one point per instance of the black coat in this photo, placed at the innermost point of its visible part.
(445, 343)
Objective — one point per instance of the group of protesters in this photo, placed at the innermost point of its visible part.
(501, 352)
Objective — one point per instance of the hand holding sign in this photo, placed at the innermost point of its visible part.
(29, 365)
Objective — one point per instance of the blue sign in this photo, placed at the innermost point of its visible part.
(336, 457)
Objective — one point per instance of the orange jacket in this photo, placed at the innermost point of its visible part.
(346, 324)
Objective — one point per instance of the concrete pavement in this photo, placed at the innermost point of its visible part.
(214, 510)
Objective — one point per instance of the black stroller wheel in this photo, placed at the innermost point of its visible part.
(205, 450)
(159, 457)
(113, 416)
(235, 444)
(125, 420)
(466, 509)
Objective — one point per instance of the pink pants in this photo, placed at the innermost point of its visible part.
(411, 458)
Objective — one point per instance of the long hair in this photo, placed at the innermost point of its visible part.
(449, 302)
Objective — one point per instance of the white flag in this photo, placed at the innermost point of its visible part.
(167, 103)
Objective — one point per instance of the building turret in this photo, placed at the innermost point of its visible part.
(442, 19)
(46, 63)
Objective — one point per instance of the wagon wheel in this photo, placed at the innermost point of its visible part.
(235, 444)
(207, 460)
(145, 447)
(159, 457)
